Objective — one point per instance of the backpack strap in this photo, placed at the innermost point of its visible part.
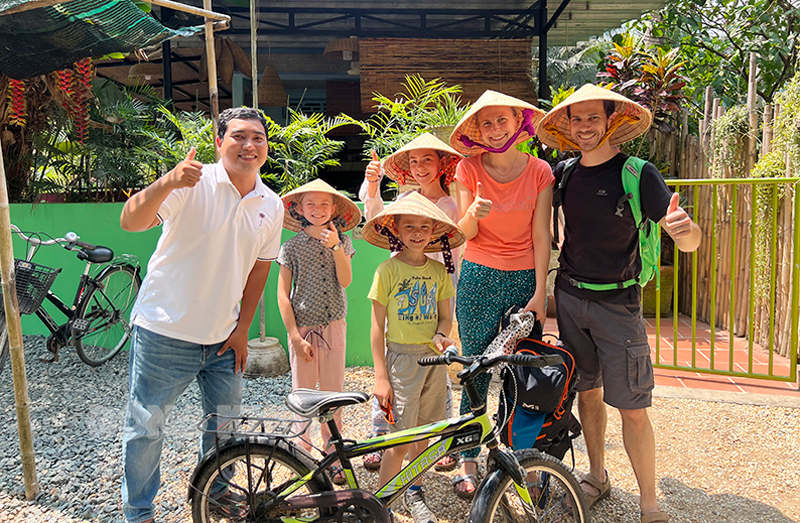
(631, 177)
(631, 183)
(558, 194)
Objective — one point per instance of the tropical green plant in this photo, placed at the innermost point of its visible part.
(300, 149)
(716, 38)
(116, 154)
(177, 133)
(650, 76)
(424, 104)
(574, 66)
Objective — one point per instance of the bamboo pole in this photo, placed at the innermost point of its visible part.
(17, 353)
(766, 137)
(222, 21)
(213, 91)
(254, 52)
(753, 115)
(706, 123)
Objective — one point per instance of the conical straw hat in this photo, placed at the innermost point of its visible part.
(468, 125)
(632, 119)
(345, 208)
(397, 168)
(416, 205)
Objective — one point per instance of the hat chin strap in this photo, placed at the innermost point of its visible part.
(339, 222)
(565, 143)
(527, 125)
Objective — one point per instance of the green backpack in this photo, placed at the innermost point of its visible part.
(649, 240)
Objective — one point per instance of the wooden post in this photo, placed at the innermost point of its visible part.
(751, 111)
(707, 114)
(254, 51)
(213, 91)
(766, 137)
(17, 352)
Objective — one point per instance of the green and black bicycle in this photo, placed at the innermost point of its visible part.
(255, 461)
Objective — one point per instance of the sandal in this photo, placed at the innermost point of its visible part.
(469, 478)
(337, 475)
(229, 504)
(603, 489)
(655, 517)
(447, 463)
(372, 461)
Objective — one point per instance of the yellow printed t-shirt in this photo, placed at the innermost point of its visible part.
(504, 240)
(410, 295)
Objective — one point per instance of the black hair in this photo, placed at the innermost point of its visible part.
(239, 113)
(609, 106)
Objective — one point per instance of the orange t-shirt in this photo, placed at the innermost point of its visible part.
(504, 240)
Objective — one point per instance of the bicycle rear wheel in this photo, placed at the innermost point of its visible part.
(254, 476)
(556, 494)
(4, 344)
(101, 327)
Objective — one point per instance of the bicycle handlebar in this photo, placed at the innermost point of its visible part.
(524, 360)
(69, 238)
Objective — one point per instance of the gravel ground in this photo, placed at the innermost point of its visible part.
(716, 461)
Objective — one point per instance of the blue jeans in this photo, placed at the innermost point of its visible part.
(160, 370)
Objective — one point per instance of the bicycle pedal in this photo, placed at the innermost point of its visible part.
(80, 325)
(48, 360)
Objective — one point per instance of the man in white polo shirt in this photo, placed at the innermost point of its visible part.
(221, 229)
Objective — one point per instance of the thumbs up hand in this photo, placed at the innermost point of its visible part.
(676, 222)
(187, 173)
(373, 171)
(329, 236)
(481, 207)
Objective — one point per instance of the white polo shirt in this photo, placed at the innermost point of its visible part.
(211, 238)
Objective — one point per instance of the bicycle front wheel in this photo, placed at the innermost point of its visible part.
(4, 344)
(102, 326)
(556, 494)
(254, 477)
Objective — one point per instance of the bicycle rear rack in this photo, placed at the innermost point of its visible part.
(249, 426)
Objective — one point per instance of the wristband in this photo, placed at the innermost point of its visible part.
(440, 334)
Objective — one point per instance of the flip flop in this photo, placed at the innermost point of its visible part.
(603, 488)
(337, 475)
(447, 463)
(655, 517)
(372, 461)
(468, 478)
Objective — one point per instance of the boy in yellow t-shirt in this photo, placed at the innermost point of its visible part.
(411, 299)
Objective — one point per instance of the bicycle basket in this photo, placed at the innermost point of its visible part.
(33, 282)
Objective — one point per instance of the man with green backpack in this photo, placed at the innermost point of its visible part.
(612, 207)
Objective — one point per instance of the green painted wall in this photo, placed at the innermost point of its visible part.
(99, 224)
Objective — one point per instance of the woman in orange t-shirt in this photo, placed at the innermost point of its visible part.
(504, 198)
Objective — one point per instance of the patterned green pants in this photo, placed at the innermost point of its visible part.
(484, 295)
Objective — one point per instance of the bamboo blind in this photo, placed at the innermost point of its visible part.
(475, 65)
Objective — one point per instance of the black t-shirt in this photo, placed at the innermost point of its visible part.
(600, 246)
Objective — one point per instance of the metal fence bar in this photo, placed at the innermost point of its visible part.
(696, 205)
(713, 278)
(732, 308)
(705, 306)
(773, 284)
(675, 274)
(752, 305)
(795, 285)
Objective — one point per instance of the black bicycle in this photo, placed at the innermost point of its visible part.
(97, 321)
(277, 481)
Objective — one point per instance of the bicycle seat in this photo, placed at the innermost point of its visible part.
(97, 255)
(309, 403)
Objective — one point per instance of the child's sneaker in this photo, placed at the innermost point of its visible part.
(415, 504)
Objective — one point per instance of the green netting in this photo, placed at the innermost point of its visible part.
(46, 39)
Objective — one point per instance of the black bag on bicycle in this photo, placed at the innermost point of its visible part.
(536, 403)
